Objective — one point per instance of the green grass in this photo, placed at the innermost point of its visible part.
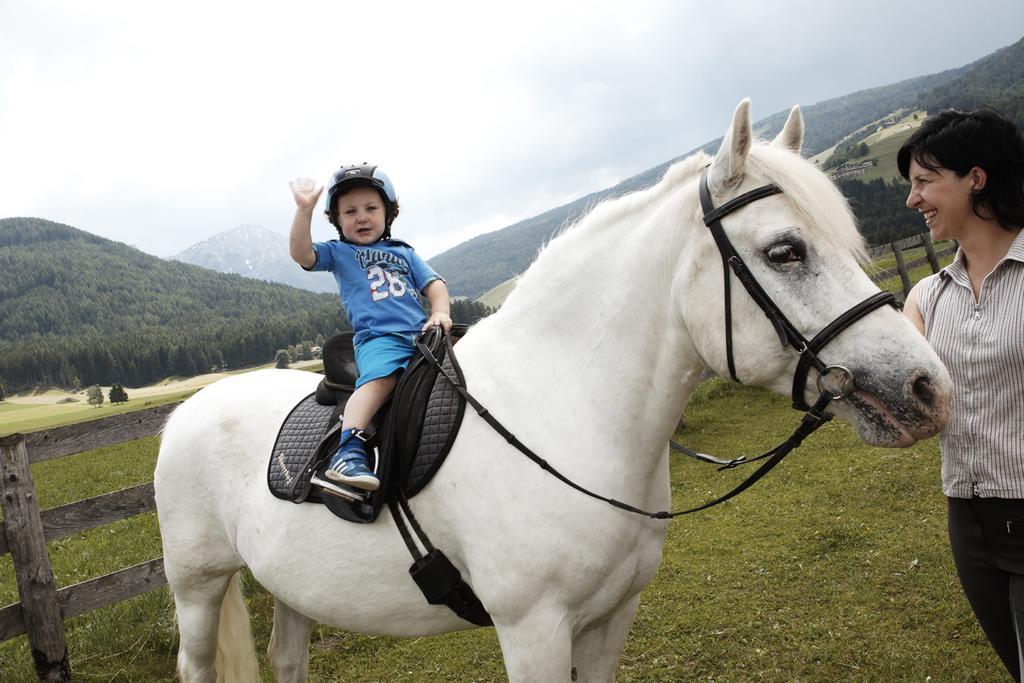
(883, 149)
(834, 567)
(884, 152)
(20, 417)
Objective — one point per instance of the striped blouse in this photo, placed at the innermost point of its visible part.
(982, 345)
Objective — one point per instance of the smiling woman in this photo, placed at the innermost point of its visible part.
(967, 180)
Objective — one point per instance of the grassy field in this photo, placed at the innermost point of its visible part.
(835, 567)
(22, 417)
(33, 411)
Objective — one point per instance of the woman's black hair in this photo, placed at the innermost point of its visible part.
(959, 141)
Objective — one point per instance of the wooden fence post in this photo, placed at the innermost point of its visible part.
(926, 242)
(901, 266)
(33, 574)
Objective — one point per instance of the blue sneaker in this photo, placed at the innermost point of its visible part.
(350, 464)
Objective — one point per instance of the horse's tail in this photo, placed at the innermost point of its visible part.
(236, 650)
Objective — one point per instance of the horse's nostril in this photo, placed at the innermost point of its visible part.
(923, 390)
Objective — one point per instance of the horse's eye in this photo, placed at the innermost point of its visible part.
(784, 252)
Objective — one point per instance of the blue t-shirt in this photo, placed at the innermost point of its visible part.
(380, 285)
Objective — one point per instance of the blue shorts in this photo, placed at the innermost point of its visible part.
(383, 356)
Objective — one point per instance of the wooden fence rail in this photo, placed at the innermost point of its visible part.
(26, 529)
(903, 267)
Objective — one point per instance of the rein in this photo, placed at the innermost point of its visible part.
(815, 416)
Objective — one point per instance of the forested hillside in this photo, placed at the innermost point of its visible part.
(77, 306)
(880, 207)
(995, 81)
(80, 309)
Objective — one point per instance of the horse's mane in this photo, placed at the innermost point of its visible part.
(611, 210)
(813, 196)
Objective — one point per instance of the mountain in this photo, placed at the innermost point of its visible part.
(478, 265)
(77, 306)
(256, 252)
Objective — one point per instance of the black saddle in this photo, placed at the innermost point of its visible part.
(418, 426)
(409, 437)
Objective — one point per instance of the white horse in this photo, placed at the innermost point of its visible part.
(590, 362)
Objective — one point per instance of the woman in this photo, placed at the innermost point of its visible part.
(967, 180)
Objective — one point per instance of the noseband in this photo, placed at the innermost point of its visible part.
(843, 382)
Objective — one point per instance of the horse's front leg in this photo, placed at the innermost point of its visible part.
(289, 644)
(537, 647)
(596, 650)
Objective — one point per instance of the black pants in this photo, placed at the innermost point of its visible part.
(987, 538)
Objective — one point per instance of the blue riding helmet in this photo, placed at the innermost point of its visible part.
(362, 175)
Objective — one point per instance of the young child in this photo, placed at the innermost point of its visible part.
(380, 280)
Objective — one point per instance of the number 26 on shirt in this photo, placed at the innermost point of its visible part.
(384, 283)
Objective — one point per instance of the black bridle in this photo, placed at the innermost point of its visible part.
(788, 334)
(815, 415)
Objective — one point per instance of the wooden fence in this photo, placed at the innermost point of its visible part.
(903, 268)
(25, 531)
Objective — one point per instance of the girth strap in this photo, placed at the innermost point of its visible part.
(437, 578)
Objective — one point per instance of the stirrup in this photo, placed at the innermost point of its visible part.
(340, 490)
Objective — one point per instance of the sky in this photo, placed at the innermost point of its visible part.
(163, 124)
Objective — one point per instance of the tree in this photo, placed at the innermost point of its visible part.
(467, 311)
(2, 394)
(118, 394)
(863, 149)
(281, 359)
(95, 395)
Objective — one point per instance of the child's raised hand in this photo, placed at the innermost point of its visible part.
(306, 192)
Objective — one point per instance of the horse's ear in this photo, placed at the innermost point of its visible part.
(792, 134)
(727, 169)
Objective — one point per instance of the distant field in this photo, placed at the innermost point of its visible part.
(885, 152)
(32, 411)
(495, 297)
(17, 416)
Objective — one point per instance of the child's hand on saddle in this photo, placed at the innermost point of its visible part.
(441, 319)
(306, 192)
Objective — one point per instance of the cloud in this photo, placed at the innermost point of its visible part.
(163, 125)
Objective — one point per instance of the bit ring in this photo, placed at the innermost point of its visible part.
(840, 387)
